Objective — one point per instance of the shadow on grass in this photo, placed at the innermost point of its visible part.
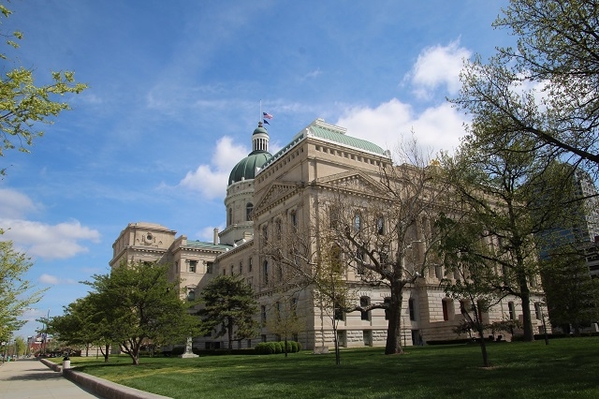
(565, 368)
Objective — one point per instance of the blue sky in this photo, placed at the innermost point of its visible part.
(174, 93)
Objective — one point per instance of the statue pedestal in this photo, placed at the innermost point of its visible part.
(188, 355)
(188, 350)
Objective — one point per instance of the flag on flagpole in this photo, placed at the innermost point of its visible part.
(265, 121)
(267, 115)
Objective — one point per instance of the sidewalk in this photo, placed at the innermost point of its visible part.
(29, 378)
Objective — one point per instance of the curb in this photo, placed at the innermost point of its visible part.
(99, 386)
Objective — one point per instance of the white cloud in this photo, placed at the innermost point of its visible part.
(46, 241)
(53, 280)
(207, 233)
(211, 180)
(14, 204)
(437, 66)
(436, 128)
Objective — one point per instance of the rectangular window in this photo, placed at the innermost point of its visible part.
(387, 302)
(445, 310)
(241, 267)
(209, 267)
(412, 310)
(193, 264)
(365, 301)
(339, 314)
(250, 264)
(263, 314)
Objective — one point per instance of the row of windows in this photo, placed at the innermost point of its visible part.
(358, 158)
(250, 267)
(365, 315)
(279, 310)
(193, 267)
(249, 209)
(278, 227)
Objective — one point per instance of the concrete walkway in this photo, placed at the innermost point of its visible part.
(33, 380)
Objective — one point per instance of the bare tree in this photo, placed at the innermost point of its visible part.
(386, 230)
(305, 259)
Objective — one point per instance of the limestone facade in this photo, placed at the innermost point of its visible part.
(291, 189)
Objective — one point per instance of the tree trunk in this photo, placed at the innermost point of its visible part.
(483, 346)
(393, 345)
(230, 333)
(526, 317)
(336, 342)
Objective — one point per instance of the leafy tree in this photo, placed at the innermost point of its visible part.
(141, 306)
(82, 323)
(572, 295)
(20, 346)
(16, 293)
(497, 184)
(23, 105)
(545, 88)
(286, 321)
(469, 275)
(229, 307)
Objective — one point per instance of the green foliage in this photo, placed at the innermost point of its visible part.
(139, 306)
(16, 293)
(271, 348)
(23, 105)
(572, 295)
(545, 87)
(229, 308)
(263, 348)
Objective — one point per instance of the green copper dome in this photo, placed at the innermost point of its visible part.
(248, 166)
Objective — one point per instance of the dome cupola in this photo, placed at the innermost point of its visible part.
(249, 166)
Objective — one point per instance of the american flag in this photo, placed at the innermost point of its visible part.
(267, 115)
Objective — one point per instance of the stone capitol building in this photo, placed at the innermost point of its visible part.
(264, 189)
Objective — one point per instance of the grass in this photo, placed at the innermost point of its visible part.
(564, 368)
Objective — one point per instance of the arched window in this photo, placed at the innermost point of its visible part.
(380, 225)
(265, 234)
(538, 311)
(191, 295)
(265, 271)
(293, 218)
(230, 217)
(357, 222)
(249, 208)
(278, 229)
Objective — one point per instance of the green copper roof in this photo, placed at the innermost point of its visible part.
(331, 133)
(341, 138)
(247, 167)
(207, 245)
(260, 130)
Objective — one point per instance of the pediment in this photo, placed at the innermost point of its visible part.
(353, 181)
(276, 193)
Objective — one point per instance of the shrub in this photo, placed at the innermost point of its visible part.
(292, 346)
(263, 348)
(269, 348)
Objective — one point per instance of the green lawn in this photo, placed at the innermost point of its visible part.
(567, 368)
